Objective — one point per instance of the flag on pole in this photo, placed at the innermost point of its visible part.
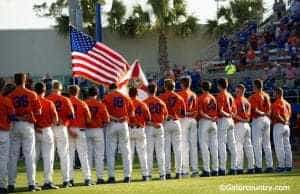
(135, 77)
(94, 60)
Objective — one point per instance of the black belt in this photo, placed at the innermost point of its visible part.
(81, 129)
(170, 119)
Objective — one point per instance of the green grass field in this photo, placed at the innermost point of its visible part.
(283, 181)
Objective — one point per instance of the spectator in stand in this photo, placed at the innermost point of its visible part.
(279, 8)
(254, 41)
(223, 46)
(295, 9)
(291, 75)
(243, 57)
(251, 56)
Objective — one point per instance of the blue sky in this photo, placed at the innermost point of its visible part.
(18, 14)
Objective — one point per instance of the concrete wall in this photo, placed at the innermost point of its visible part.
(42, 51)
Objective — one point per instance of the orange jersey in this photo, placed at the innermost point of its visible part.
(49, 114)
(82, 113)
(118, 105)
(141, 114)
(99, 113)
(207, 103)
(190, 100)
(7, 110)
(175, 105)
(281, 108)
(26, 104)
(225, 102)
(158, 109)
(260, 101)
(63, 107)
(243, 108)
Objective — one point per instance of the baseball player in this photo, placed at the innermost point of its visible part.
(155, 131)
(208, 131)
(281, 114)
(95, 133)
(44, 138)
(189, 129)
(7, 112)
(77, 136)
(260, 112)
(137, 131)
(27, 106)
(65, 111)
(242, 130)
(120, 109)
(225, 105)
(173, 135)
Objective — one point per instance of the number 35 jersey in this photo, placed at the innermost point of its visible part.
(26, 103)
(118, 105)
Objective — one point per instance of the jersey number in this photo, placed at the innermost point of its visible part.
(212, 105)
(58, 106)
(118, 102)
(155, 108)
(94, 110)
(171, 102)
(138, 111)
(21, 101)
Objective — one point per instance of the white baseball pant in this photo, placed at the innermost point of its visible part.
(208, 138)
(79, 144)
(189, 145)
(44, 145)
(4, 157)
(156, 141)
(261, 138)
(281, 136)
(138, 143)
(118, 132)
(22, 135)
(242, 133)
(173, 139)
(96, 148)
(226, 137)
(61, 140)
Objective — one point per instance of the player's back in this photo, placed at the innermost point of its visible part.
(48, 113)
(261, 101)
(225, 101)
(118, 105)
(208, 104)
(6, 111)
(157, 108)
(175, 104)
(99, 113)
(190, 100)
(141, 113)
(63, 107)
(26, 103)
(82, 113)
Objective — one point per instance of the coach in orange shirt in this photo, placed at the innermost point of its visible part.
(242, 130)
(208, 131)
(95, 133)
(7, 112)
(225, 104)
(189, 129)
(155, 131)
(173, 131)
(44, 138)
(137, 131)
(27, 106)
(65, 111)
(120, 109)
(260, 113)
(77, 136)
(281, 114)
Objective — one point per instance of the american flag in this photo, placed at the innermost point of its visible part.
(94, 60)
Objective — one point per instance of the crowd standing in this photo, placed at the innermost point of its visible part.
(41, 124)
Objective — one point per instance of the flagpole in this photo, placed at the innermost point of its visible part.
(99, 37)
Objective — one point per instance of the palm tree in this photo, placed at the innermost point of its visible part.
(233, 17)
(165, 18)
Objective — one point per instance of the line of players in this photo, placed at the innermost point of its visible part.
(41, 125)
